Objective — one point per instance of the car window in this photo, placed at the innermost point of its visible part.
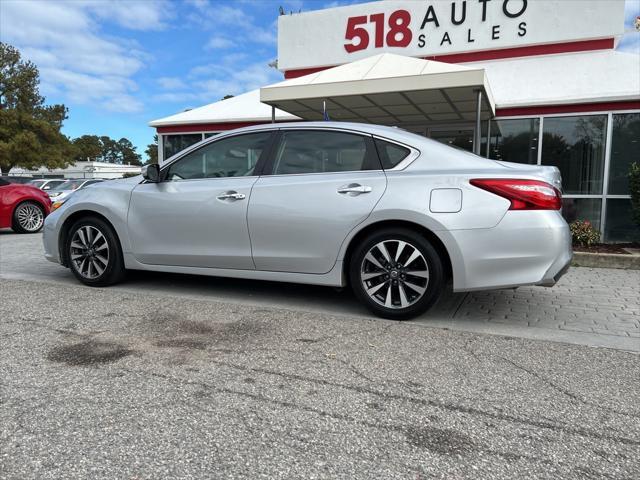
(322, 152)
(3, 182)
(229, 157)
(68, 185)
(391, 154)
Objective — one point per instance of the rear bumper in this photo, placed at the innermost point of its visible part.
(525, 248)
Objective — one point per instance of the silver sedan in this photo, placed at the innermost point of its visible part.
(392, 214)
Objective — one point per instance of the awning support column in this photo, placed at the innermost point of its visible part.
(477, 138)
(273, 114)
(488, 135)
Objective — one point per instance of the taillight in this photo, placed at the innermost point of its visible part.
(523, 194)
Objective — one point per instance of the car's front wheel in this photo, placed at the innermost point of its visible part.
(94, 253)
(397, 274)
(28, 217)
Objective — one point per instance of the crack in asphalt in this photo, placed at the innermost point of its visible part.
(441, 405)
(563, 390)
(437, 440)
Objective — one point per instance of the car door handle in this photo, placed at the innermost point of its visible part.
(355, 189)
(231, 195)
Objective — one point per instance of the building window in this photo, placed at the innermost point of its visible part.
(620, 226)
(582, 209)
(625, 149)
(576, 145)
(173, 144)
(515, 140)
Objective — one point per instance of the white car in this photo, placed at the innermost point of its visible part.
(44, 184)
(67, 187)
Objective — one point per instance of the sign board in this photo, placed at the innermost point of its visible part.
(428, 28)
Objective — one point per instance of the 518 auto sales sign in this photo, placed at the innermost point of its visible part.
(439, 27)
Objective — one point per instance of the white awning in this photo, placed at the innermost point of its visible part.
(386, 89)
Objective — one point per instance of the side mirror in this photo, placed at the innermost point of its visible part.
(151, 172)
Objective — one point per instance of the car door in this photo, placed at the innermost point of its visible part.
(197, 216)
(317, 186)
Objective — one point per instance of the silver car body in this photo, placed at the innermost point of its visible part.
(297, 228)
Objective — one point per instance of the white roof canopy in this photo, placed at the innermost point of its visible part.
(241, 108)
(386, 89)
(569, 78)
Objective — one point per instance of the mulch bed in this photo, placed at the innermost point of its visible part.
(607, 248)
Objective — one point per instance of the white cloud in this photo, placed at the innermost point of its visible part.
(209, 83)
(171, 83)
(219, 42)
(210, 15)
(75, 59)
(133, 14)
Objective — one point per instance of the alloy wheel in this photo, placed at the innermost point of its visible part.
(89, 252)
(30, 217)
(395, 274)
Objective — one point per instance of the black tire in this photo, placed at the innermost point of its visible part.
(28, 217)
(113, 270)
(428, 263)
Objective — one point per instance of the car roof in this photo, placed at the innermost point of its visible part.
(392, 133)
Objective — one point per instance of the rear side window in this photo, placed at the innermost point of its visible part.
(3, 182)
(391, 154)
(311, 151)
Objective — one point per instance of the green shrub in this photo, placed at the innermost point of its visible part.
(583, 234)
(634, 190)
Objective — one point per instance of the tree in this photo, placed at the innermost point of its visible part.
(110, 152)
(127, 152)
(30, 134)
(88, 148)
(152, 151)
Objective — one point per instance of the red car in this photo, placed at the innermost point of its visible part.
(22, 207)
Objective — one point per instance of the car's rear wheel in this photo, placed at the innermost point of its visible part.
(94, 253)
(28, 217)
(396, 273)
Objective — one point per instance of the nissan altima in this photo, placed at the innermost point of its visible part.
(392, 214)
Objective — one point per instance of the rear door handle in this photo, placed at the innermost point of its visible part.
(231, 195)
(354, 189)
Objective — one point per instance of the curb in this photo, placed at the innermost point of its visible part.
(606, 260)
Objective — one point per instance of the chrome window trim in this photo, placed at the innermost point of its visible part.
(206, 178)
(322, 173)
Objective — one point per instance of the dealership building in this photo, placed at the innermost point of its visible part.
(536, 82)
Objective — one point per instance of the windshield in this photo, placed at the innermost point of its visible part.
(68, 185)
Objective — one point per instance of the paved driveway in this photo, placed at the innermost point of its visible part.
(597, 307)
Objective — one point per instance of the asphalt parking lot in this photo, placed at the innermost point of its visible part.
(186, 377)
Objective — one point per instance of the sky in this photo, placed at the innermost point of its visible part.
(117, 65)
